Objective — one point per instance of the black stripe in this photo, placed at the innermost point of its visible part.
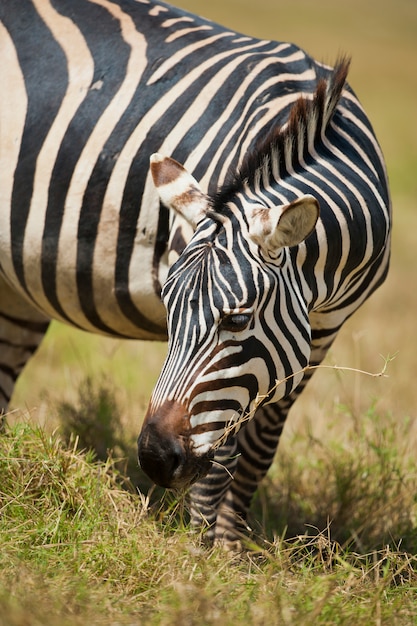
(282, 357)
(42, 63)
(27, 347)
(106, 44)
(36, 327)
(9, 372)
(7, 398)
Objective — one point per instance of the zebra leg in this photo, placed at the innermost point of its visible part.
(257, 443)
(220, 501)
(207, 493)
(22, 328)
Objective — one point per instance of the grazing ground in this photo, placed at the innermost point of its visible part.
(78, 548)
(335, 526)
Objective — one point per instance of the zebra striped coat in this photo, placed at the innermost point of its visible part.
(90, 89)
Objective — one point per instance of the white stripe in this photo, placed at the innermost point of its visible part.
(190, 50)
(80, 74)
(156, 10)
(186, 31)
(177, 20)
(105, 247)
(13, 107)
(252, 130)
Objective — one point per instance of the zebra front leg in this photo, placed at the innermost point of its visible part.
(21, 330)
(257, 443)
(220, 501)
(207, 493)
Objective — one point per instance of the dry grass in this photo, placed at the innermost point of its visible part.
(77, 548)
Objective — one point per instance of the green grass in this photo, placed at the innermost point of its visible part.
(79, 548)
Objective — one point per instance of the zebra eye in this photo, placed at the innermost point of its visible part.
(235, 322)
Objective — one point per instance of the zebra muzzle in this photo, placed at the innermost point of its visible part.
(165, 450)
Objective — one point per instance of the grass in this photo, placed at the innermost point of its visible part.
(365, 485)
(77, 547)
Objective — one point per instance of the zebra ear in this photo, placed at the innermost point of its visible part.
(178, 190)
(282, 226)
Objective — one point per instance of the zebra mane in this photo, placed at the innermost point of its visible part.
(285, 146)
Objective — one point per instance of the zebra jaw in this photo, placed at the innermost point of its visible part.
(178, 190)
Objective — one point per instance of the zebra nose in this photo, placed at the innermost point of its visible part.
(162, 457)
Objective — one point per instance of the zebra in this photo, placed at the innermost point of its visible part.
(261, 224)
(281, 256)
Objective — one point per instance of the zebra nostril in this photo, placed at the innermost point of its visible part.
(162, 458)
(175, 459)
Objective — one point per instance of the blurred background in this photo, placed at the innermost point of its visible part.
(381, 37)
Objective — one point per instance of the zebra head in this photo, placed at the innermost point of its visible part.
(238, 327)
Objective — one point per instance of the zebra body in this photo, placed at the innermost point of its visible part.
(90, 89)
(112, 83)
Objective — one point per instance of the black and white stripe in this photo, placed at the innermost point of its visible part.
(260, 293)
(90, 89)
